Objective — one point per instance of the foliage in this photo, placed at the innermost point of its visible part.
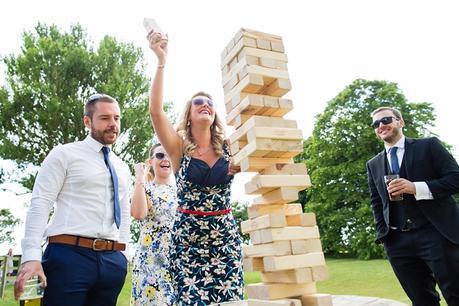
(240, 214)
(7, 224)
(336, 155)
(48, 83)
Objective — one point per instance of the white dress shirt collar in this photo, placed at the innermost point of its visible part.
(399, 144)
(94, 144)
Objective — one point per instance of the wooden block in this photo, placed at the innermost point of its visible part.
(252, 83)
(244, 42)
(277, 248)
(286, 168)
(230, 84)
(285, 106)
(236, 146)
(276, 263)
(278, 46)
(240, 66)
(279, 291)
(252, 264)
(269, 148)
(274, 133)
(276, 88)
(281, 209)
(286, 233)
(249, 105)
(261, 184)
(268, 106)
(272, 63)
(223, 54)
(252, 134)
(262, 222)
(265, 54)
(283, 302)
(257, 34)
(306, 219)
(320, 273)
(268, 62)
(267, 127)
(263, 44)
(317, 299)
(258, 164)
(295, 276)
(306, 246)
(255, 211)
(268, 72)
(280, 195)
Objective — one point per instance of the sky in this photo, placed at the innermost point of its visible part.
(329, 44)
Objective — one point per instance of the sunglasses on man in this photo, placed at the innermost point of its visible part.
(201, 101)
(383, 120)
(159, 155)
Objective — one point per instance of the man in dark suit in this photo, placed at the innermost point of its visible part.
(421, 232)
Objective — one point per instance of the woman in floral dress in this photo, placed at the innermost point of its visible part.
(206, 257)
(154, 201)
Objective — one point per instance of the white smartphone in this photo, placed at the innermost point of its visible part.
(150, 24)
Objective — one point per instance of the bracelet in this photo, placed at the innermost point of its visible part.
(160, 66)
(140, 183)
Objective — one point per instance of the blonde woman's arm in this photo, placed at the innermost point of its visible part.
(167, 136)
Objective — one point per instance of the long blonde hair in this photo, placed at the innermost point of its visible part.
(217, 132)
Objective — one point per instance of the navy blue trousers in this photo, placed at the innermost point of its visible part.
(79, 276)
(421, 259)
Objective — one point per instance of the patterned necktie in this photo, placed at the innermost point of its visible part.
(394, 161)
(114, 177)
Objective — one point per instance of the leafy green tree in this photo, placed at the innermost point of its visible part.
(240, 214)
(48, 83)
(7, 224)
(336, 155)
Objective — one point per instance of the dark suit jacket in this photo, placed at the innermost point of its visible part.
(425, 160)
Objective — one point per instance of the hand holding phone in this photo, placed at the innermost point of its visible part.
(151, 25)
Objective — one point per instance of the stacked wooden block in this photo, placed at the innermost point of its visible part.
(286, 245)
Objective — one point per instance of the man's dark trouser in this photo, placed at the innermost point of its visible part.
(79, 276)
(421, 258)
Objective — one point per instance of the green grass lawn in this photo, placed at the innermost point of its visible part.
(347, 277)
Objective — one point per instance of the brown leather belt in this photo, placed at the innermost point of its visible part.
(96, 244)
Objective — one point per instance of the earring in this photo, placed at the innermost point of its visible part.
(188, 123)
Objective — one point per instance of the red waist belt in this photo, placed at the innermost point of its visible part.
(204, 213)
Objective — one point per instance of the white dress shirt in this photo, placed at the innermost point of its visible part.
(75, 178)
(422, 189)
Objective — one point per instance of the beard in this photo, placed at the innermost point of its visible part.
(394, 136)
(103, 137)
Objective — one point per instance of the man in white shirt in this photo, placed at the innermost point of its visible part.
(83, 263)
(420, 231)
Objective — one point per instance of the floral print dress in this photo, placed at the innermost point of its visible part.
(151, 279)
(206, 255)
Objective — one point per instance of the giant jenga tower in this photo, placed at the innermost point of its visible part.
(286, 246)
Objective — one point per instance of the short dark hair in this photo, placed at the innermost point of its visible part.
(93, 99)
(394, 111)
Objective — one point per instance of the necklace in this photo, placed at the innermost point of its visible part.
(201, 153)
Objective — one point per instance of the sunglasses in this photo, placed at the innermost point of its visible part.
(159, 155)
(383, 120)
(201, 101)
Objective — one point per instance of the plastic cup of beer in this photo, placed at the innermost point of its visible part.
(387, 179)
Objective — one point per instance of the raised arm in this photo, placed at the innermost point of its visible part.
(139, 206)
(168, 137)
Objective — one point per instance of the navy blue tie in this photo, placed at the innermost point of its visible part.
(394, 160)
(116, 198)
